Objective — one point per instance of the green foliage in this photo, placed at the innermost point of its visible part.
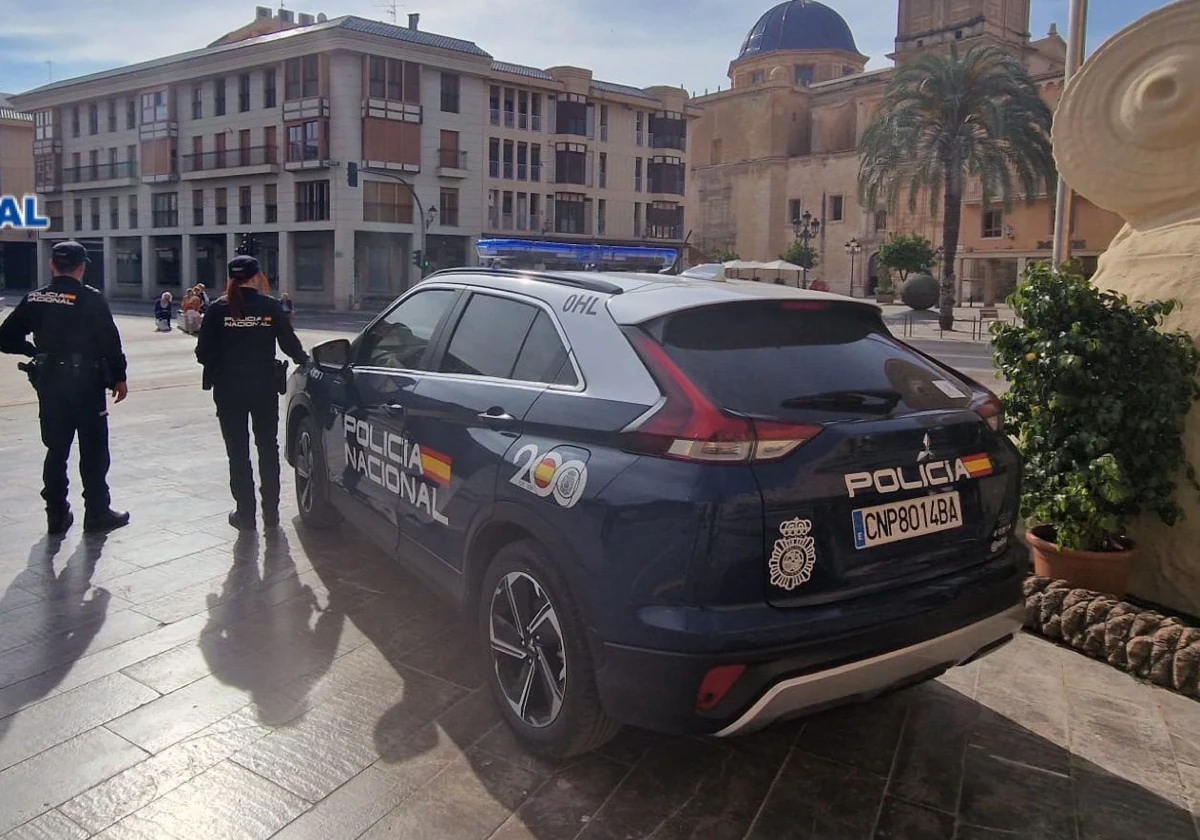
(948, 120)
(800, 254)
(906, 253)
(722, 256)
(1099, 400)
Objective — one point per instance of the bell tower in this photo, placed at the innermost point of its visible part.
(925, 25)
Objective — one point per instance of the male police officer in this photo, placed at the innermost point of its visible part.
(77, 356)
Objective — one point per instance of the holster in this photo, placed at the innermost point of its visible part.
(206, 379)
(32, 369)
(281, 369)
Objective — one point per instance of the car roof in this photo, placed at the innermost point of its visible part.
(635, 297)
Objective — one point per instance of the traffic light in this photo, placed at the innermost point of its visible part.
(418, 258)
(352, 174)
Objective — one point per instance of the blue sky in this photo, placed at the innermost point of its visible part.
(639, 42)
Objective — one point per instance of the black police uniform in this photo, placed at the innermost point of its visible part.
(238, 354)
(78, 355)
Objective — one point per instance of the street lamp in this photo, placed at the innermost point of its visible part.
(806, 228)
(853, 248)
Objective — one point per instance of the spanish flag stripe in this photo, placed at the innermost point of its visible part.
(436, 466)
(977, 464)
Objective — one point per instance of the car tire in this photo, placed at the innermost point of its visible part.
(549, 650)
(312, 479)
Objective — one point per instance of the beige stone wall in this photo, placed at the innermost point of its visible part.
(16, 167)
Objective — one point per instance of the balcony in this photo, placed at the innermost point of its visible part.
(664, 232)
(677, 142)
(510, 119)
(522, 121)
(254, 160)
(452, 163)
(99, 176)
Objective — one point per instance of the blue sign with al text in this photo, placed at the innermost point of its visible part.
(21, 213)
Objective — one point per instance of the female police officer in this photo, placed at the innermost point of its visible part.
(237, 348)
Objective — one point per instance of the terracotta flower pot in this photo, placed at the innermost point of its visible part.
(1101, 571)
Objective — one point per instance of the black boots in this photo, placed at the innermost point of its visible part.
(59, 522)
(104, 521)
(241, 521)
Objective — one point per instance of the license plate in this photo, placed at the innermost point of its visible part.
(906, 520)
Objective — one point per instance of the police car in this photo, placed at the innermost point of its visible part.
(685, 505)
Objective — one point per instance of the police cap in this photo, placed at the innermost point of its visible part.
(243, 267)
(69, 255)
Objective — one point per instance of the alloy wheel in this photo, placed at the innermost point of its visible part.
(304, 471)
(527, 649)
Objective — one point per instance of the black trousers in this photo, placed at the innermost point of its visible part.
(68, 407)
(243, 406)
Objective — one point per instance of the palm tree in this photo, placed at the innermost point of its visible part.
(946, 119)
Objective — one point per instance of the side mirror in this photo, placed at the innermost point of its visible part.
(332, 354)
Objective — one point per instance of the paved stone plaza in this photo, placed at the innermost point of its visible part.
(174, 681)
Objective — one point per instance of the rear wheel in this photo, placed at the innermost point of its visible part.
(538, 666)
(312, 480)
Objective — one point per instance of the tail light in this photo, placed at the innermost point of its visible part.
(716, 685)
(992, 412)
(688, 427)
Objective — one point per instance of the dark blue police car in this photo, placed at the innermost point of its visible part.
(686, 505)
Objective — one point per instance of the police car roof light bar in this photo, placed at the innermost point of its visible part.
(588, 284)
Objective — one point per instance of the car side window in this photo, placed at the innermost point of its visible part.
(489, 337)
(543, 357)
(401, 338)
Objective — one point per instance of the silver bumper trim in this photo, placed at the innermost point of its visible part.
(790, 697)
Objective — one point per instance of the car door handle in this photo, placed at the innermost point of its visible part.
(496, 415)
(394, 408)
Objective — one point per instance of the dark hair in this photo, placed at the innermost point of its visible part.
(65, 265)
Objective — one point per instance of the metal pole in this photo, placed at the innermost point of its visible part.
(1076, 38)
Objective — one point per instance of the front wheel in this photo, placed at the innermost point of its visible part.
(538, 666)
(312, 479)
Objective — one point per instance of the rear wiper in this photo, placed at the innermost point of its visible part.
(882, 400)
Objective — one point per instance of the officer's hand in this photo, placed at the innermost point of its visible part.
(121, 391)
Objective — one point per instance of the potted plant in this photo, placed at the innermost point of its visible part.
(885, 292)
(904, 253)
(1099, 395)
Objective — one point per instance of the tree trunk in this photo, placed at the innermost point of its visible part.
(951, 228)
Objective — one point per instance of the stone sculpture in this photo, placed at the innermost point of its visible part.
(1127, 138)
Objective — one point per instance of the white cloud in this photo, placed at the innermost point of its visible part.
(625, 41)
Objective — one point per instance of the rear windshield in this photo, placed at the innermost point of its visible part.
(788, 360)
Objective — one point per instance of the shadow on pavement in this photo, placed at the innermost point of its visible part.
(925, 764)
(53, 633)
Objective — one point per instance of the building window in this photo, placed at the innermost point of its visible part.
(640, 128)
(114, 212)
(198, 208)
(448, 208)
(243, 93)
(847, 70)
(637, 219)
(494, 157)
(154, 107)
(569, 213)
(881, 221)
(535, 114)
(601, 217)
(758, 77)
(312, 201)
(304, 141)
(451, 82)
(269, 88)
(449, 154)
(837, 208)
(78, 208)
(112, 115)
(43, 122)
(164, 209)
(75, 121)
(94, 165)
(309, 268)
(602, 174)
(494, 105)
(271, 203)
(387, 201)
(394, 80)
(222, 205)
(805, 74)
(93, 119)
(509, 160)
(219, 97)
(637, 175)
(54, 212)
(535, 162)
(95, 214)
(523, 109)
(130, 114)
(133, 211)
(795, 210)
(302, 77)
(197, 102)
(993, 224)
(243, 205)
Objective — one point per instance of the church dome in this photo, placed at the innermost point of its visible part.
(799, 25)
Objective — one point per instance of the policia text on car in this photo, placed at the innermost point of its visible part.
(77, 356)
(237, 348)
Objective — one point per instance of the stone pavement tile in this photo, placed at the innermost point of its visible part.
(929, 759)
(15, 597)
(154, 549)
(1112, 808)
(1127, 739)
(44, 620)
(156, 581)
(1014, 781)
(564, 804)
(60, 718)
(137, 787)
(51, 825)
(816, 799)
(338, 738)
(222, 803)
(468, 800)
(1189, 775)
(180, 714)
(43, 782)
(963, 679)
(900, 820)
(172, 669)
(863, 735)
(1025, 684)
(451, 657)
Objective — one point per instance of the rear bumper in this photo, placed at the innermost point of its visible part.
(878, 675)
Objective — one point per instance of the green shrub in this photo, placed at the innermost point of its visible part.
(1098, 403)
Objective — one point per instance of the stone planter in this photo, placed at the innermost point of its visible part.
(1100, 571)
(885, 297)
